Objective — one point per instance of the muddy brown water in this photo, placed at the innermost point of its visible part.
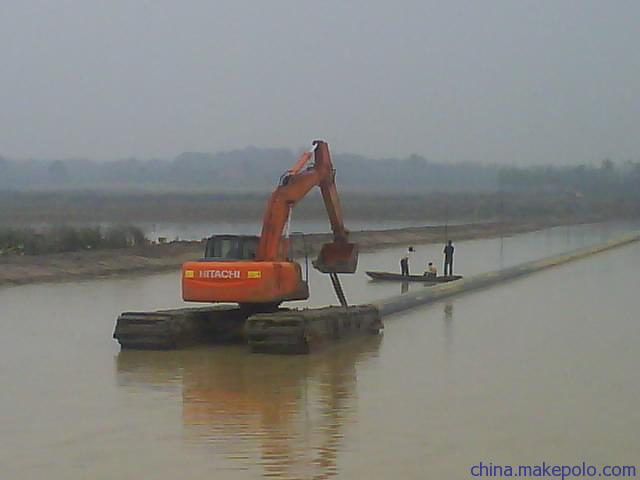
(541, 369)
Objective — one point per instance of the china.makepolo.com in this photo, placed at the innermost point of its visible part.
(553, 471)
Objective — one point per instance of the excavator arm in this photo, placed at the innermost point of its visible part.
(257, 273)
(338, 256)
(294, 185)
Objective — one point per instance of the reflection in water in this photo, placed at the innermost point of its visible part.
(448, 323)
(285, 414)
(404, 288)
(448, 312)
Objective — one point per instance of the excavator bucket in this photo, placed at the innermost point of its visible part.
(337, 257)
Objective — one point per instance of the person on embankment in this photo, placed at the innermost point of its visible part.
(448, 258)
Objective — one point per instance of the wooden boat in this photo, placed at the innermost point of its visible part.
(397, 277)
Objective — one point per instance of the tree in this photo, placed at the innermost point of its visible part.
(608, 165)
(58, 172)
(4, 172)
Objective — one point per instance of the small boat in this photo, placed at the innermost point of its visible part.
(397, 277)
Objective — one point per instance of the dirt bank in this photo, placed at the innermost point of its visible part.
(20, 270)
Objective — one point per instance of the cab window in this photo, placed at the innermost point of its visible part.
(231, 248)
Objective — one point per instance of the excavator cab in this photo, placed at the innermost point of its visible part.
(229, 272)
(259, 271)
(337, 257)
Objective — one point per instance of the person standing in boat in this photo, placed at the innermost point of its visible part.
(404, 265)
(404, 262)
(448, 258)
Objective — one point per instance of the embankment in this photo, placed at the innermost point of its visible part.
(20, 270)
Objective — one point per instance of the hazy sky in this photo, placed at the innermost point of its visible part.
(493, 81)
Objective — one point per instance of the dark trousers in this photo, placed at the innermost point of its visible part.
(448, 266)
(404, 266)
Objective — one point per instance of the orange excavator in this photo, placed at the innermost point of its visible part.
(257, 272)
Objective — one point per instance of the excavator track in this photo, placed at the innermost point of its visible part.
(300, 331)
(283, 331)
(180, 327)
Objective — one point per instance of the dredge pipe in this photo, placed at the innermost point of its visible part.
(399, 303)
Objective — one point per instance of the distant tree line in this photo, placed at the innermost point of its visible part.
(241, 170)
(606, 178)
(259, 169)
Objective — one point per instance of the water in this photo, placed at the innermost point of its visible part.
(200, 230)
(541, 369)
(471, 257)
(197, 231)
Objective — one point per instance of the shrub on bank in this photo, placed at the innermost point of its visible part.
(63, 238)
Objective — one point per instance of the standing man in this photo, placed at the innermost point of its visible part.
(404, 262)
(404, 265)
(410, 252)
(448, 258)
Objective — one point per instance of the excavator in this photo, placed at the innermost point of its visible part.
(257, 272)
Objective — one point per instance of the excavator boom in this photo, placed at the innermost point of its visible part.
(339, 256)
(251, 270)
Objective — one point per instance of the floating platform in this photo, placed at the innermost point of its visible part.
(180, 327)
(398, 277)
(300, 331)
(283, 331)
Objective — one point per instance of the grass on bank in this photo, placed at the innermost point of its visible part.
(58, 239)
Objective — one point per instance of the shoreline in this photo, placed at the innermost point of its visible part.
(86, 265)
